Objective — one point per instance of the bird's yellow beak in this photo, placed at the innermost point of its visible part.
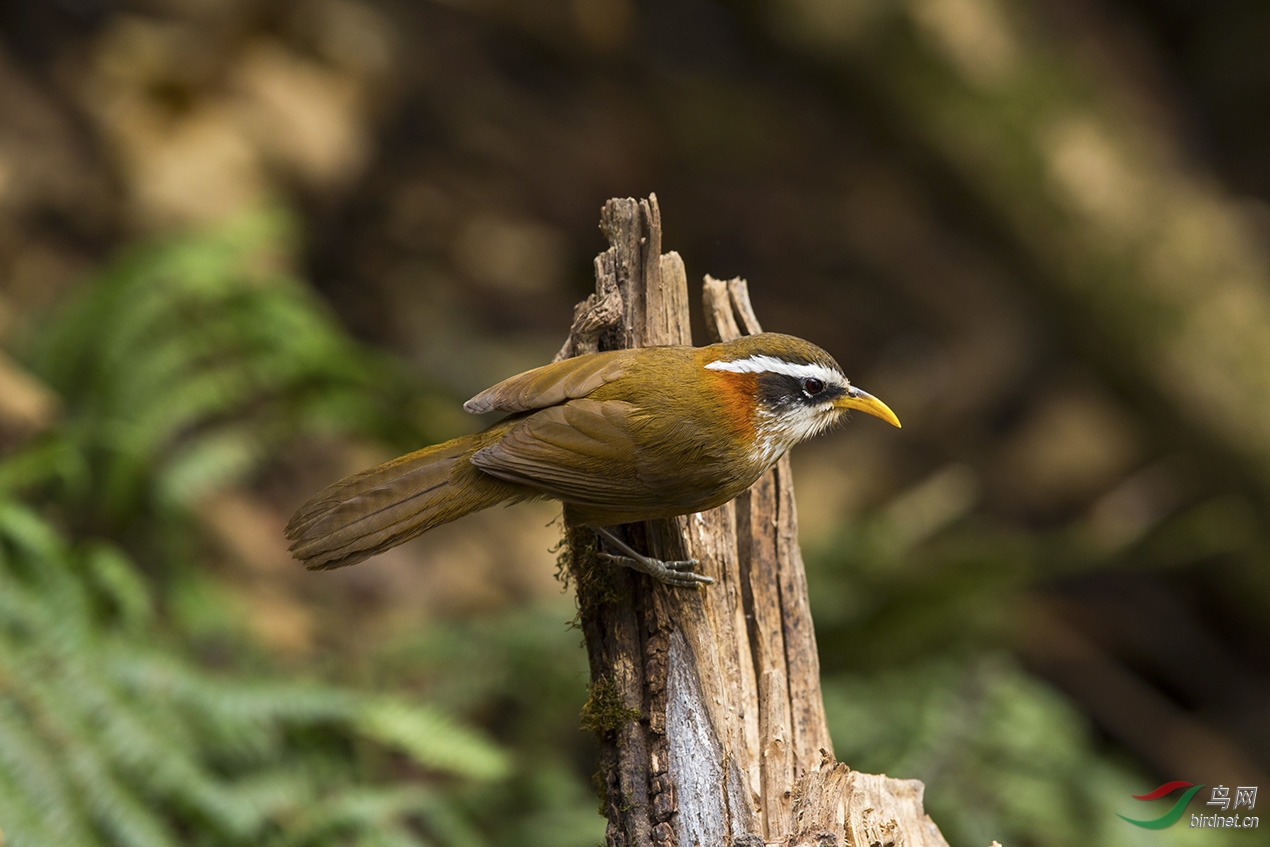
(867, 403)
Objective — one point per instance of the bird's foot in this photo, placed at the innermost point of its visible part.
(679, 572)
(676, 572)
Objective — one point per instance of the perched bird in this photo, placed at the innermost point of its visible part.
(621, 436)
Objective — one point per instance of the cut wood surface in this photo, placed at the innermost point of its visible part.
(707, 700)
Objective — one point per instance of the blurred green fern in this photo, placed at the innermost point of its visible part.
(184, 365)
(180, 370)
(107, 738)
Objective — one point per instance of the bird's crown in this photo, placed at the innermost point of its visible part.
(771, 348)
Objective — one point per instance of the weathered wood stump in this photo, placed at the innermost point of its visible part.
(707, 701)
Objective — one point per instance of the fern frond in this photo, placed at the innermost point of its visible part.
(431, 739)
(181, 370)
(35, 804)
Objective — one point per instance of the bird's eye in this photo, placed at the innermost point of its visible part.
(813, 386)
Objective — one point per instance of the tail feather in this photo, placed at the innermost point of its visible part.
(387, 505)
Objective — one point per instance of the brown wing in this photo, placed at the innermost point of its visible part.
(552, 384)
(580, 452)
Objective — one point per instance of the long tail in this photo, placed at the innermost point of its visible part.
(369, 512)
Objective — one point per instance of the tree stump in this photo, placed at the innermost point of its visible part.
(707, 700)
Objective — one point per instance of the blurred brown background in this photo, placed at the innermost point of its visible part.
(1038, 230)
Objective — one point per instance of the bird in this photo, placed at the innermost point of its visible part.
(617, 436)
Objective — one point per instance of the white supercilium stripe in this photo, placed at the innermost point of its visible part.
(771, 364)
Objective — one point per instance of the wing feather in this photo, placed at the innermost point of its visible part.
(552, 384)
(579, 452)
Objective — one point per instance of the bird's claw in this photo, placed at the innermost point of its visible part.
(680, 572)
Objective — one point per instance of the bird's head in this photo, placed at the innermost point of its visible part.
(797, 389)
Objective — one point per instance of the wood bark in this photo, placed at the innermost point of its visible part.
(707, 700)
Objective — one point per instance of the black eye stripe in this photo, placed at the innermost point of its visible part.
(780, 392)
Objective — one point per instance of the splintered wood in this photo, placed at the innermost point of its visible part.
(710, 712)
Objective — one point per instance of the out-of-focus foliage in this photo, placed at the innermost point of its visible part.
(927, 688)
(110, 734)
(526, 673)
(1003, 756)
(185, 364)
(1036, 229)
(180, 369)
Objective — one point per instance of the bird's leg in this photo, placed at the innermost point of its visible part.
(678, 572)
